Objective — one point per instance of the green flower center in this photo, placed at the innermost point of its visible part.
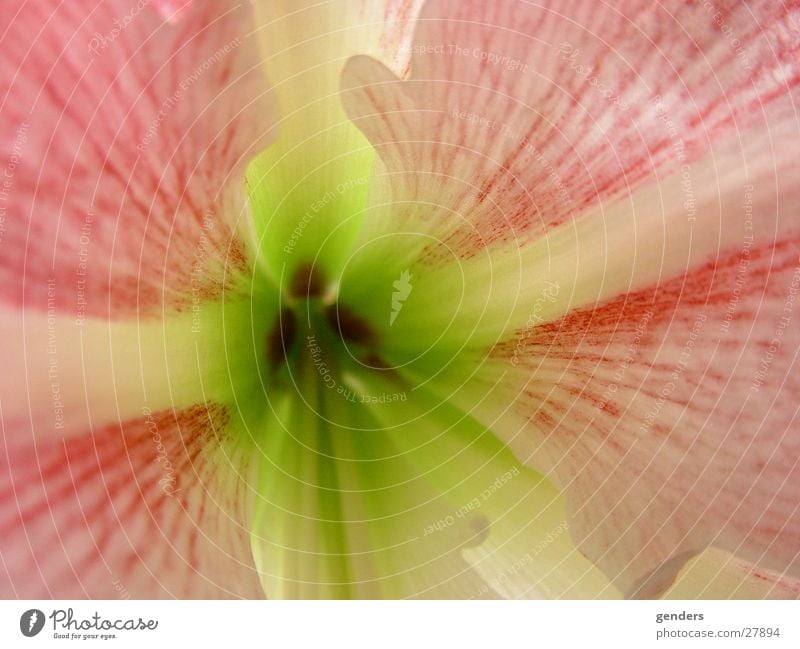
(366, 477)
(316, 335)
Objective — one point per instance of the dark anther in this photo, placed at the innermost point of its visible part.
(375, 362)
(281, 337)
(306, 282)
(350, 327)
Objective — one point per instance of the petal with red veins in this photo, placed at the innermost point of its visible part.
(566, 171)
(124, 140)
(502, 136)
(517, 116)
(666, 415)
(64, 377)
(149, 508)
(501, 290)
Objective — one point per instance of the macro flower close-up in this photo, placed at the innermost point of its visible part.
(388, 299)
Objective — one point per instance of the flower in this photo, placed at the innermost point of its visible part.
(393, 299)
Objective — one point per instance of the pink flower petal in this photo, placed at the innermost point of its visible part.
(503, 140)
(123, 142)
(668, 416)
(63, 378)
(146, 509)
(518, 116)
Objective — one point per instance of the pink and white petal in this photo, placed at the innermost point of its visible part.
(123, 140)
(579, 264)
(499, 139)
(517, 116)
(666, 415)
(64, 376)
(150, 508)
(715, 574)
(641, 503)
